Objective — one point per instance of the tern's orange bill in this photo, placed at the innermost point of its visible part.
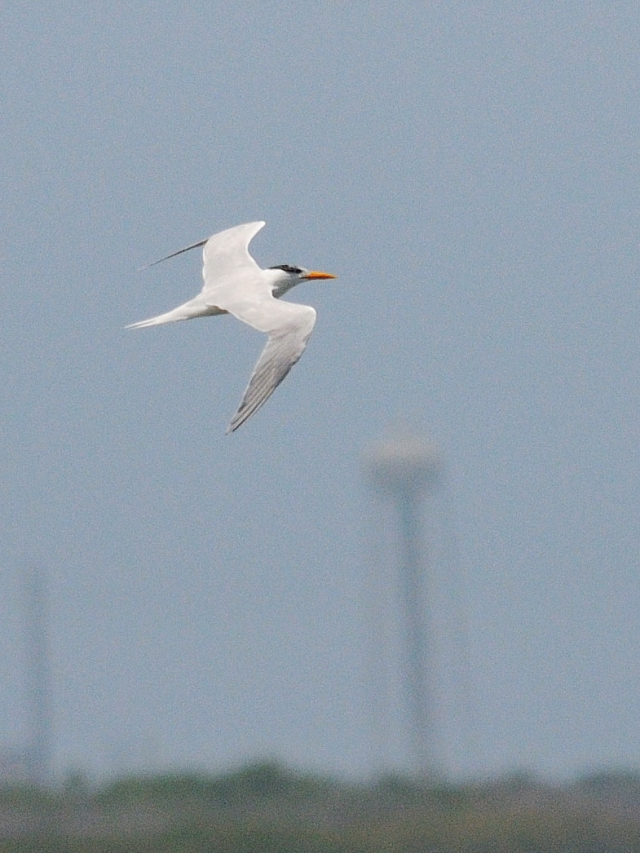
(316, 274)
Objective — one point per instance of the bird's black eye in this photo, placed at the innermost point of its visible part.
(287, 268)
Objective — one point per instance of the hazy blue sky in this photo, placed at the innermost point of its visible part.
(471, 171)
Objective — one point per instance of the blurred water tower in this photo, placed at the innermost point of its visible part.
(402, 468)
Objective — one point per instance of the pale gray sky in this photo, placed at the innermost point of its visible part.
(470, 170)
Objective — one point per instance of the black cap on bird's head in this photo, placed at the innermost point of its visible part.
(303, 273)
(288, 268)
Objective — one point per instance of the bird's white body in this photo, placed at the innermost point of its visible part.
(235, 284)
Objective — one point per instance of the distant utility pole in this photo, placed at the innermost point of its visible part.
(403, 468)
(38, 682)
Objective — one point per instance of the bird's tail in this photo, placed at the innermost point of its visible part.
(152, 321)
(182, 312)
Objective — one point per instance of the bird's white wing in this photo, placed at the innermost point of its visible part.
(289, 326)
(228, 253)
(225, 251)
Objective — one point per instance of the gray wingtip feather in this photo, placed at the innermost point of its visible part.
(173, 255)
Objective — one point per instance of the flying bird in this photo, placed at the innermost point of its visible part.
(235, 284)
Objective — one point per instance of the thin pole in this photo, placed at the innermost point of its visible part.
(411, 579)
(38, 686)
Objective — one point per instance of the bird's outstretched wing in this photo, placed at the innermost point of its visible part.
(289, 326)
(227, 253)
(224, 252)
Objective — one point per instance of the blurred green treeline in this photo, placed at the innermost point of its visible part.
(266, 808)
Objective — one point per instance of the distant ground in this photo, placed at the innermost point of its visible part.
(268, 809)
